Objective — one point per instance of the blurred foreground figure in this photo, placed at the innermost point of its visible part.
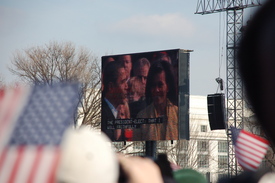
(256, 61)
(87, 157)
(260, 176)
(189, 176)
(140, 170)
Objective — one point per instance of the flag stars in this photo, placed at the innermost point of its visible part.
(47, 114)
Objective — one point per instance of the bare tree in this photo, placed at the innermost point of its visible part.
(205, 151)
(60, 62)
(185, 152)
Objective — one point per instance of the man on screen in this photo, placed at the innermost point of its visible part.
(114, 93)
(126, 61)
(140, 71)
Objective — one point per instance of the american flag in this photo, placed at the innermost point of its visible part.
(32, 122)
(250, 149)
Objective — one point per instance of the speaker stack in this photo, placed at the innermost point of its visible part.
(216, 111)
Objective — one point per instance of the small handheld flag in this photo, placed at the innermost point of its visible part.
(250, 149)
(32, 122)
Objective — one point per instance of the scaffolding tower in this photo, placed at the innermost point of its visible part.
(235, 103)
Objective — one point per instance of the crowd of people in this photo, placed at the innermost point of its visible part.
(142, 88)
(256, 64)
(99, 163)
(87, 156)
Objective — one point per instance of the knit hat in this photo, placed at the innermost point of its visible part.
(188, 176)
(87, 156)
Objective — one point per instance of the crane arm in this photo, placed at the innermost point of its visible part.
(215, 6)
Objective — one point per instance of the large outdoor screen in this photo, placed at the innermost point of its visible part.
(145, 96)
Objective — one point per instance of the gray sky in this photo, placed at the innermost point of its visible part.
(117, 27)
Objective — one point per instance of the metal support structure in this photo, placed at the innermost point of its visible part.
(234, 83)
(235, 107)
(216, 6)
(150, 149)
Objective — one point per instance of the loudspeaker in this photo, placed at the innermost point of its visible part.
(216, 111)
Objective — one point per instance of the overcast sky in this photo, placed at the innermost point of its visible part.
(117, 27)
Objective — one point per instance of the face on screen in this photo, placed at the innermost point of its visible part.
(121, 112)
(142, 73)
(159, 89)
(121, 87)
(127, 63)
(144, 93)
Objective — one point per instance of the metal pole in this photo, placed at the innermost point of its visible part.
(150, 149)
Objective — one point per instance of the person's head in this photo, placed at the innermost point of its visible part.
(106, 60)
(189, 176)
(115, 83)
(162, 56)
(160, 83)
(140, 70)
(126, 61)
(110, 59)
(86, 156)
(136, 90)
(123, 111)
(256, 61)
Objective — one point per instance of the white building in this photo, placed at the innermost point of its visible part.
(211, 146)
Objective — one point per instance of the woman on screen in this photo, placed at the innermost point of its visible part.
(161, 98)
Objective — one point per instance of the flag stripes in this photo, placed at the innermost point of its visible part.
(11, 103)
(32, 122)
(249, 149)
(29, 164)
